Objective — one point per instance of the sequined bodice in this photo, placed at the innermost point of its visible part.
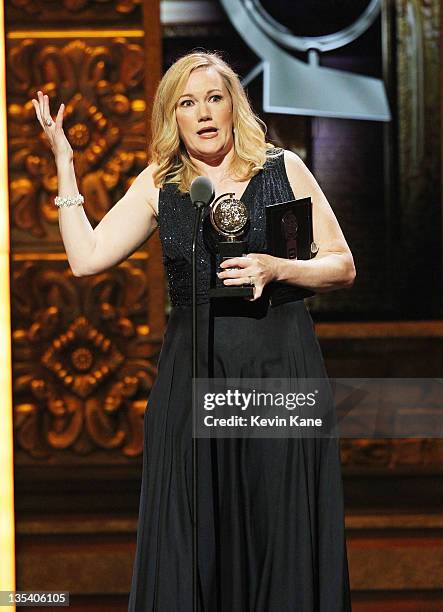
(176, 218)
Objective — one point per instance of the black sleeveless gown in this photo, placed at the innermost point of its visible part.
(271, 516)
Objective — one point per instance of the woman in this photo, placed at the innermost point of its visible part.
(271, 524)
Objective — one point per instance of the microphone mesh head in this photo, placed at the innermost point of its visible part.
(202, 190)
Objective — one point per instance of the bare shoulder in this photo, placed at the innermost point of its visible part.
(144, 186)
(301, 178)
(294, 163)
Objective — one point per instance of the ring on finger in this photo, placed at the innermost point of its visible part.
(252, 281)
(48, 122)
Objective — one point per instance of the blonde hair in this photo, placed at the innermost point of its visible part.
(167, 150)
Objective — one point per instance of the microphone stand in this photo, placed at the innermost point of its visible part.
(195, 586)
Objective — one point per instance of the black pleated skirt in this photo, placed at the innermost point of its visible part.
(271, 516)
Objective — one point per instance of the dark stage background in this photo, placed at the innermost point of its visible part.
(85, 349)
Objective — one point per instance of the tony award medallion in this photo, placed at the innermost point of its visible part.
(229, 220)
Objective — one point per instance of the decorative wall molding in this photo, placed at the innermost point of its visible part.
(101, 84)
(392, 455)
(84, 359)
(419, 150)
(69, 11)
(172, 12)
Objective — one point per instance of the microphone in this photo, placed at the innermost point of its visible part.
(202, 192)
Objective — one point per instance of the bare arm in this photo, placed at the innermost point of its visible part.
(122, 230)
(333, 266)
(129, 223)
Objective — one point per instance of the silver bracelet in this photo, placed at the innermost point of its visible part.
(69, 200)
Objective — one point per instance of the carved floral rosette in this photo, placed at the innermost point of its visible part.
(104, 120)
(84, 360)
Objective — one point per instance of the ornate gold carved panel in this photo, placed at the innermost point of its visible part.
(72, 11)
(84, 349)
(392, 455)
(101, 84)
(84, 358)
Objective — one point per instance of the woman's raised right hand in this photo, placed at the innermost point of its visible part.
(60, 146)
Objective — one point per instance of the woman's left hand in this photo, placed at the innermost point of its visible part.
(256, 268)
